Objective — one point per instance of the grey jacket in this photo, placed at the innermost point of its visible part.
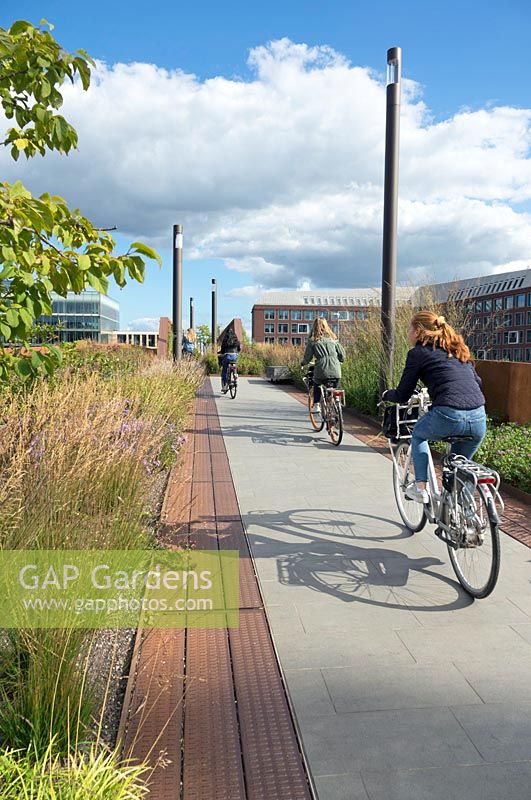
(327, 353)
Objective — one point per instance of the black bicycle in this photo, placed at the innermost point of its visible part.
(232, 382)
(329, 410)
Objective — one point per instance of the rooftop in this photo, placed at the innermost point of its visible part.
(329, 297)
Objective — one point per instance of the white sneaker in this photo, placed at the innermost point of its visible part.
(418, 495)
(316, 408)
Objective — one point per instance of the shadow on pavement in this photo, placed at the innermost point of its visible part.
(371, 575)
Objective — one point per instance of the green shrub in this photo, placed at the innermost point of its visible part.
(507, 449)
(99, 775)
(211, 364)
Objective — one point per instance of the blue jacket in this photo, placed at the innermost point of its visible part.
(449, 381)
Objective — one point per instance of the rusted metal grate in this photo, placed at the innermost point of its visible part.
(212, 756)
(271, 756)
(152, 724)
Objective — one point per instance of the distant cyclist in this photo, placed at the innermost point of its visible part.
(324, 347)
(440, 358)
(230, 347)
(188, 342)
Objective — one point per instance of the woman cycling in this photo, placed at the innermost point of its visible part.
(188, 342)
(328, 353)
(440, 358)
(230, 347)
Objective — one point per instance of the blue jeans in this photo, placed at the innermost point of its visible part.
(228, 358)
(446, 421)
(317, 390)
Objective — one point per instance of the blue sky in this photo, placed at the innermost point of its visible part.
(465, 55)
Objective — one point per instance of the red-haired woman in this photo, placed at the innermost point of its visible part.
(440, 358)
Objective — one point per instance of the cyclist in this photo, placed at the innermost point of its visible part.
(328, 353)
(440, 358)
(188, 342)
(230, 347)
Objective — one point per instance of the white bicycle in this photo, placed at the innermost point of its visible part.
(464, 507)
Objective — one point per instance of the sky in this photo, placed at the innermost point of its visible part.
(260, 127)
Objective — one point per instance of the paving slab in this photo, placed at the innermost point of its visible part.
(402, 685)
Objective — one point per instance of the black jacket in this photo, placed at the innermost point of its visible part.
(449, 381)
(230, 343)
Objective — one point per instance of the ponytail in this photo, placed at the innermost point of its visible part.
(433, 329)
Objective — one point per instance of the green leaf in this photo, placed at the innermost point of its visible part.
(18, 190)
(140, 247)
(12, 318)
(26, 317)
(23, 368)
(5, 330)
(98, 282)
(83, 262)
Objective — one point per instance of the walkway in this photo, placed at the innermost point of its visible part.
(403, 688)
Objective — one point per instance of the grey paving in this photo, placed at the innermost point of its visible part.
(403, 688)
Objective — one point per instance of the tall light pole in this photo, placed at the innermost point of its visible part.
(214, 316)
(192, 313)
(177, 313)
(392, 134)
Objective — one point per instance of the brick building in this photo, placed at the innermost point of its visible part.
(287, 317)
(497, 312)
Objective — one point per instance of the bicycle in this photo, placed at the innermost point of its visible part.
(233, 380)
(330, 411)
(464, 508)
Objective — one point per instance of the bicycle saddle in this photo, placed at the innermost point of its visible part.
(452, 439)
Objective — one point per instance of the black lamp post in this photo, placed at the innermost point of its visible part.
(177, 313)
(214, 316)
(392, 132)
(192, 313)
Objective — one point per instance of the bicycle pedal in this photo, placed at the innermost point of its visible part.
(445, 537)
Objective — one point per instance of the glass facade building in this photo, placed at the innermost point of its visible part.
(88, 315)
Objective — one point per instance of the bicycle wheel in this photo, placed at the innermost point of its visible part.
(335, 426)
(412, 513)
(233, 388)
(315, 416)
(476, 560)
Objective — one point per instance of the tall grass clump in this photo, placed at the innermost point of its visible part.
(83, 463)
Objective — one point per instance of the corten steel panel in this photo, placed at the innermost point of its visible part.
(226, 501)
(220, 467)
(204, 535)
(177, 502)
(201, 443)
(212, 756)
(271, 756)
(153, 708)
(202, 468)
(203, 509)
(232, 537)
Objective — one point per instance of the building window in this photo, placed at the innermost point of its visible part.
(520, 301)
(269, 339)
(478, 305)
(519, 318)
(269, 327)
(494, 355)
(283, 327)
(340, 315)
(296, 341)
(335, 328)
(498, 303)
(323, 314)
(518, 354)
(487, 305)
(529, 317)
(528, 336)
(269, 313)
(283, 340)
(303, 328)
(507, 319)
(296, 314)
(512, 337)
(283, 313)
(529, 299)
(294, 327)
(310, 315)
(506, 355)
(509, 301)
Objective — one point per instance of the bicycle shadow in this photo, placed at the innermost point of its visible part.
(351, 572)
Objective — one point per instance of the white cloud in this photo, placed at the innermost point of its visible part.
(281, 175)
(144, 324)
